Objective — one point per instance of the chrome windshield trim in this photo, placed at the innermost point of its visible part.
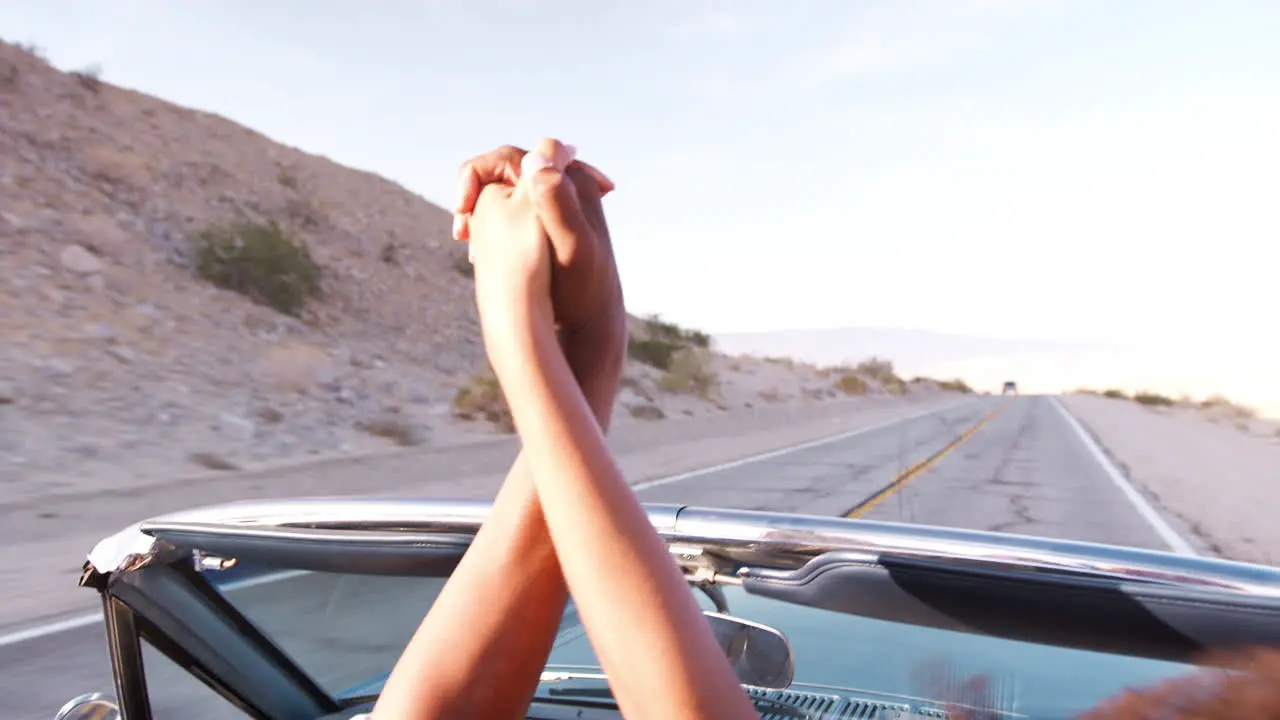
(743, 537)
(127, 548)
(400, 515)
(747, 534)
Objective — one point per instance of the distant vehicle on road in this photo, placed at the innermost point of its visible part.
(1009, 387)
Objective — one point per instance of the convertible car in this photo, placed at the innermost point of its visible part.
(298, 609)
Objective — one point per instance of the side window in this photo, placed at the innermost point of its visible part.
(175, 693)
(345, 631)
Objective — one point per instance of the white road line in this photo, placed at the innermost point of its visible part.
(80, 621)
(789, 449)
(88, 619)
(52, 628)
(1148, 513)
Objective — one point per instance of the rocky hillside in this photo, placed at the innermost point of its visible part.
(123, 355)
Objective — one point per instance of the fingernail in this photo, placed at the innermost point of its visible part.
(458, 222)
(531, 163)
(461, 191)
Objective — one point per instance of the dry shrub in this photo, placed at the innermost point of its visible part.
(396, 429)
(1151, 399)
(955, 385)
(260, 261)
(1224, 406)
(654, 353)
(483, 398)
(881, 370)
(212, 461)
(657, 342)
(646, 412)
(690, 373)
(851, 384)
(1115, 394)
(656, 328)
(90, 78)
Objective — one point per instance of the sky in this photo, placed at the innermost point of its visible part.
(1071, 170)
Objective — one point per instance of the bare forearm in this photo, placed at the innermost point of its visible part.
(499, 612)
(628, 592)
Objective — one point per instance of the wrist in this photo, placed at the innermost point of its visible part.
(597, 353)
(509, 329)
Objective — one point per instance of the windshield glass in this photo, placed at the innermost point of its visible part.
(347, 631)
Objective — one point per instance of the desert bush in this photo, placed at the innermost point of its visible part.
(260, 261)
(955, 385)
(212, 461)
(1152, 399)
(656, 328)
(658, 342)
(1221, 405)
(483, 398)
(654, 353)
(1115, 394)
(881, 370)
(286, 179)
(396, 429)
(90, 78)
(851, 384)
(646, 412)
(690, 372)
(875, 367)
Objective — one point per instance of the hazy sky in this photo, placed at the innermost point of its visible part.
(1089, 169)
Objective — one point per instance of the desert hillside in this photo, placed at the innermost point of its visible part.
(135, 340)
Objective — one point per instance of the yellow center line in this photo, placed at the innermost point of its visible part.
(905, 476)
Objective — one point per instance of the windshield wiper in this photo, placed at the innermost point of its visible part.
(777, 708)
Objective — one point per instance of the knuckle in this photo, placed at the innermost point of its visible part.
(547, 185)
(506, 152)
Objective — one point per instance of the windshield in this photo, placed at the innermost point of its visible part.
(347, 631)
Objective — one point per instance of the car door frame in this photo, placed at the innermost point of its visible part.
(169, 602)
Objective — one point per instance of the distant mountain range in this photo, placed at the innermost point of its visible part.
(1246, 374)
(911, 350)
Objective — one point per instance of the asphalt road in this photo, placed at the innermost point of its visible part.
(998, 463)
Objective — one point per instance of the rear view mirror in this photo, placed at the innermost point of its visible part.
(760, 655)
(94, 706)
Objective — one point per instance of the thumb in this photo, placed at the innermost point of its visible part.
(556, 199)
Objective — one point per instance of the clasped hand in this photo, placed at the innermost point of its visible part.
(537, 234)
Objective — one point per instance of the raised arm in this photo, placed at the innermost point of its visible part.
(480, 650)
(643, 622)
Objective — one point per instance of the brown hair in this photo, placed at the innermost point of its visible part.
(1241, 684)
